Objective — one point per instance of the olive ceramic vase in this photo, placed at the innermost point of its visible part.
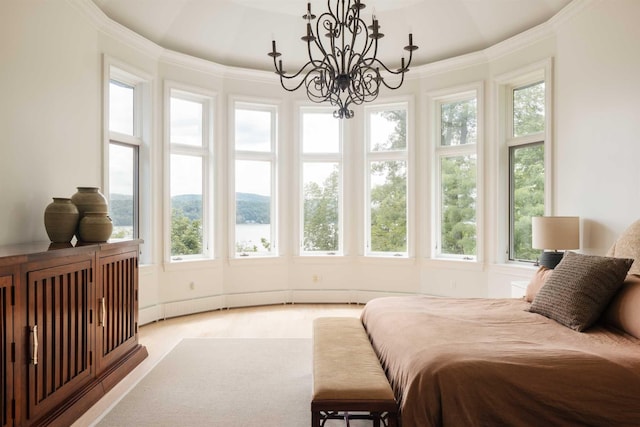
(89, 199)
(61, 220)
(95, 227)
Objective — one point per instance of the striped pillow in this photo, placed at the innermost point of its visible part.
(580, 288)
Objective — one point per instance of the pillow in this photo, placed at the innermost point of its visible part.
(624, 310)
(580, 288)
(537, 281)
(628, 246)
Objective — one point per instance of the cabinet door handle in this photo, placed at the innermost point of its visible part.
(34, 340)
(103, 312)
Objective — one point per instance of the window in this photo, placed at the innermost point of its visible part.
(128, 120)
(321, 165)
(527, 124)
(456, 176)
(124, 146)
(386, 180)
(255, 179)
(190, 172)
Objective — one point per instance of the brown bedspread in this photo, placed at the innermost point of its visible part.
(488, 362)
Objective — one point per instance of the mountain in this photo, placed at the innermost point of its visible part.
(250, 208)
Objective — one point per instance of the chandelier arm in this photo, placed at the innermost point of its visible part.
(304, 70)
(327, 20)
(312, 94)
(364, 82)
(400, 73)
(397, 72)
(357, 25)
(367, 58)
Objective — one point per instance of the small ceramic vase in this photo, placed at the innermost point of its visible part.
(95, 227)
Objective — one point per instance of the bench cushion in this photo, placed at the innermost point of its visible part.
(345, 366)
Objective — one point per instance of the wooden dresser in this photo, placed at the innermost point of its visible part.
(68, 328)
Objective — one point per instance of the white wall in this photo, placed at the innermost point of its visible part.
(49, 112)
(51, 142)
(598, 120)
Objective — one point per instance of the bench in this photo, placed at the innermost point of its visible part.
(348, 380)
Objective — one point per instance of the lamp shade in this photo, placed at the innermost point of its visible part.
(555, 232)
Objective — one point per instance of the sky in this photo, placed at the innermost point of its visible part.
(252, 134)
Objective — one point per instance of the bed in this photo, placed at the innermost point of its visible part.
(501, 362)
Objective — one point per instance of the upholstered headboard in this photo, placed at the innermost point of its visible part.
(628, 246)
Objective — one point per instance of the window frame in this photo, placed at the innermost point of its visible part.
(504, 85)
(271, 156)
(370, 157)
(325, 157)
(208, 100)
(140, 141)
(436, 100)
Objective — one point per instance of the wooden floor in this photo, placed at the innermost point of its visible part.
(277, 321)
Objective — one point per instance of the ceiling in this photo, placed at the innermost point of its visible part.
(239, 32)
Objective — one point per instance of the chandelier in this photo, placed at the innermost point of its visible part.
(342, 67)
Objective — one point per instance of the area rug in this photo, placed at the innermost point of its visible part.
(224, 382)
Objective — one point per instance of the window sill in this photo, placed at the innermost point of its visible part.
(514, 268)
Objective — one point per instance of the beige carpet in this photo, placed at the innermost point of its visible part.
(224, 382)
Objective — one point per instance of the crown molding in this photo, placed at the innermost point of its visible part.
(570, 11)
(130, 38)
(215, 69)
(520, 41)
(119, 32)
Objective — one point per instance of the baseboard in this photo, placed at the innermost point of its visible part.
(250, 299)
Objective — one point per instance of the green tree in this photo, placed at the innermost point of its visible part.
(528, 109)
(458, 179)
(186, 234)
(458, 221)
(528, 197)
(389, 199)
(321, 230)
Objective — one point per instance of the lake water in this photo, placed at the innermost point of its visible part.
(249, 235)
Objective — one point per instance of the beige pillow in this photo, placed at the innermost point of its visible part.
(628, 246)
(580, 288)
(537, 281)
(624, 310)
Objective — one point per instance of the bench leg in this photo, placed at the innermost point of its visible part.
(392, 419)
(315, 419)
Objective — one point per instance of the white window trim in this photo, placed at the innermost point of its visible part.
(317, 157)
(542, 70)
(274, 107)
(434, 101)
(407, 156)
(206, 152)
(143, 83)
